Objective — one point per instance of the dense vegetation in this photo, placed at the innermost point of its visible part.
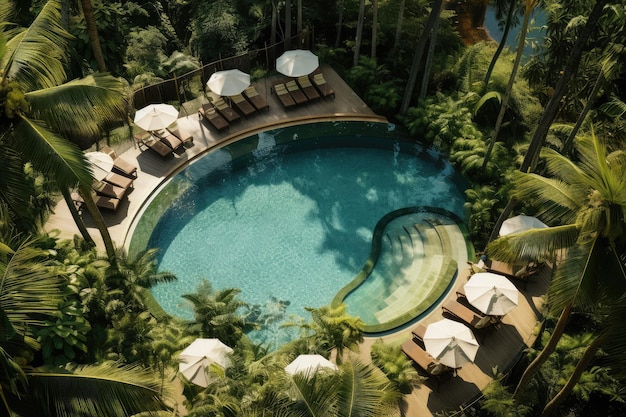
(543, 135)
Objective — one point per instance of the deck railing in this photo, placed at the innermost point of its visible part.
(176, 89)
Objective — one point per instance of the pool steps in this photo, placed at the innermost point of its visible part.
(424, 256)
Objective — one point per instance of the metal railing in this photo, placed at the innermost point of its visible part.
(176, 89)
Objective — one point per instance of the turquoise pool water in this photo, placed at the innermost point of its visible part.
(287, 221)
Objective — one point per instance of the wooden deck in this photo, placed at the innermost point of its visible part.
(501, 348)
(154, 170)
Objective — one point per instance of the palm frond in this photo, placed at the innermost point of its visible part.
(555, 200)
(365, 391)
(50, 153)
(103, 390)
(78, 108)
(542, 244)
(575, 278)
(15, 188)
(313, 395)
(36, 56)
(30, 289)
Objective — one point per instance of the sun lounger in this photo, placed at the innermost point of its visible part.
(298, 96)
(166, 136)
(308, 88)
(153, 143)
(108, 190)
(522, 272)
(242, 105)
(283, 95)
(121, 165)
(318, 80)
(461, 313)
(103, 202)
(418, 332)
(257, 101)
(118, 180)
(183, 136)
(225, 110)
(208, 112)
(421, 358)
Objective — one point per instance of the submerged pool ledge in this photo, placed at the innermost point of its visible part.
(420, 247)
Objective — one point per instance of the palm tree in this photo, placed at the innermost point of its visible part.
(588, 199)
(530, 6)
(357, 389)
(554, 103)
(334, 329)
(500, 5)
(359, 33)
(92, 30)
(217, 313)
(417, 57)
(53, 109)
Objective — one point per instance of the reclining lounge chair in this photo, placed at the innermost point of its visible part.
(225, 110)
(118, 180)
(109, 190)
(308, 88)
(257, 101)
(459, 312)
(318, 80)
(283, 95)
(242, 105)
(103, 202)
(298, 95)
(153, 143)
(120, 165)
(208, 112)
(166, 136)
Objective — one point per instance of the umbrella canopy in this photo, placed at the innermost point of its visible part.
(450, 342)
(229, 82)
(156, 116)
(101, 163)
(199, 355)
(307, 364)
(491, 293)
(297, 63)
(520, 223)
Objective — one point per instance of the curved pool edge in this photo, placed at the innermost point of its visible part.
(450, 269)
(128, 235)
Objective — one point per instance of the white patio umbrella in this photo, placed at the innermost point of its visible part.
(101, 163)
(297, 62)
(308, 364)
(228, 82)
(156, 116)
(520, 223)
(199, 355)
(450, 342)
(491, 293)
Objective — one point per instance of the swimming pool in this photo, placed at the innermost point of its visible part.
(287, 215)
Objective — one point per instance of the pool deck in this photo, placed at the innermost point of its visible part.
(501, 348)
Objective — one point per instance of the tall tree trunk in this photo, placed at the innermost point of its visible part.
(359, 33)
(339, 23)
(505, 35)
(274, 24)
(553, 105)
(76, 216)
(86, 193)
(396, 41)
(92, 30)
(429, 59)
(567, 145)
(288, 24)
(374, 27)
(567, 389)
(530, 6)
(417, 58)
(299, 17)
(534, 366)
